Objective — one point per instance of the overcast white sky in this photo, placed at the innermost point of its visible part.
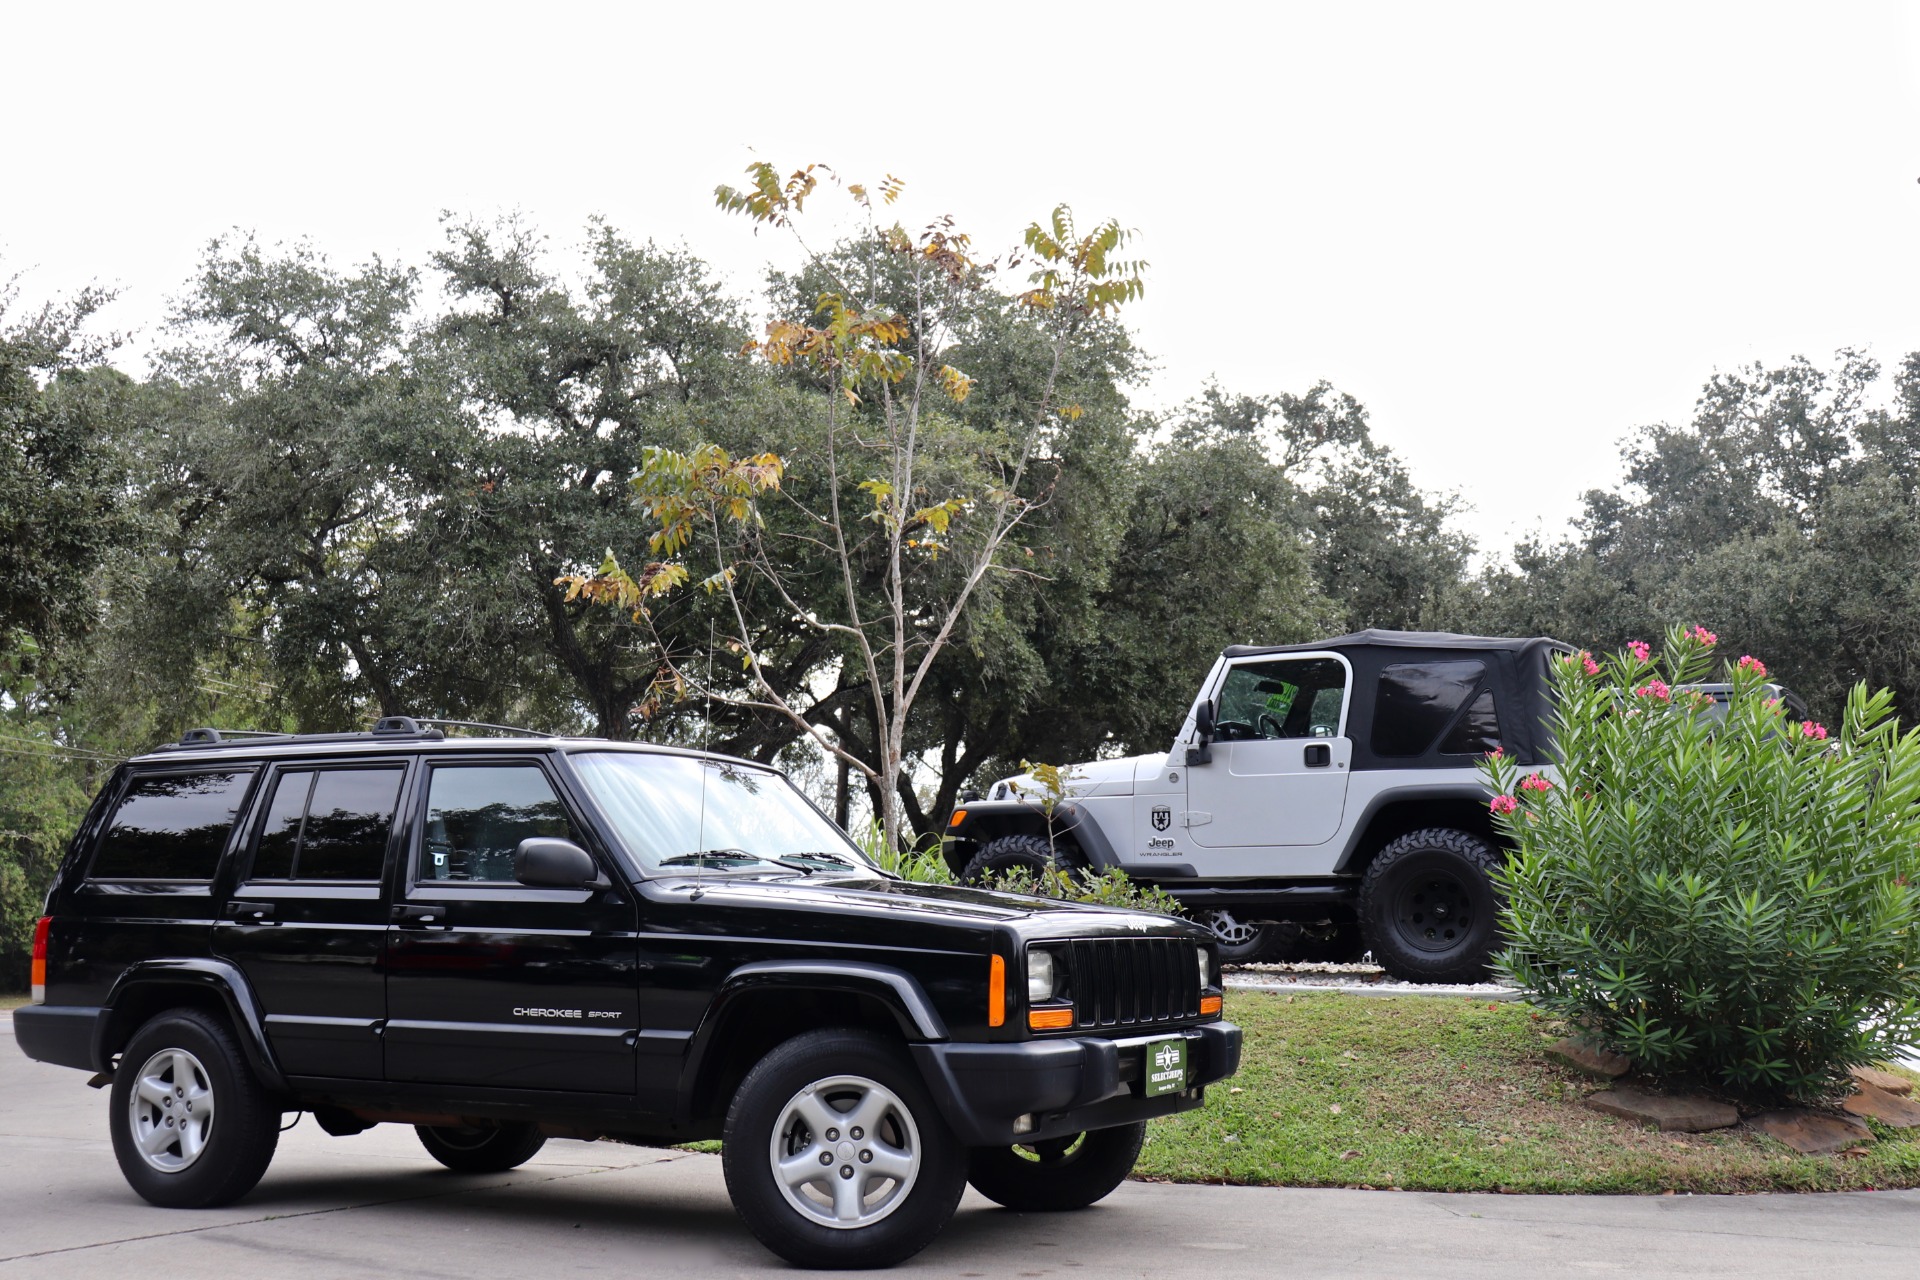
(1513, 231)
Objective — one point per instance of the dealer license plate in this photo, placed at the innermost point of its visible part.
(1166, 1067)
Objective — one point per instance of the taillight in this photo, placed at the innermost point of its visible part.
(40, 959)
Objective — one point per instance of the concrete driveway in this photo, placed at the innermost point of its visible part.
(374, 1204)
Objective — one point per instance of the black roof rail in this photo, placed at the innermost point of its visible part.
(386, 728)
(472, 724)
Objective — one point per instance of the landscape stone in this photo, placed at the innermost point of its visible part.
(1592, 1059)
(1879, 1079)
(1670, 1113)
(1877, 1104)
(1813, 1133)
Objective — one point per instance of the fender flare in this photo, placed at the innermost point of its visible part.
(1413, 794)
(988, 820)
(202, 973)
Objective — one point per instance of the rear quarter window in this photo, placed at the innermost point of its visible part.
(171, 826)
(1418, 700)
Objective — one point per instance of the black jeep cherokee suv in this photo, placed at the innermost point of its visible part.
(502, 940)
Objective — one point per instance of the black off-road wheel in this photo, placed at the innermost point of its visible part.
(1241, 941)
(1428, 908)
(1005, 853)
(491, 1148)
(835, 1154)
(1059, 1174)
(192, 1126)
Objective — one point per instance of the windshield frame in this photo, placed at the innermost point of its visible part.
(617, 839)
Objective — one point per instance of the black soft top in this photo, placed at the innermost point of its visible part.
(1375, 638)
(1516, 674)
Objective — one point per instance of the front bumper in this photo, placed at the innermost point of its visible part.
(1067, 1086)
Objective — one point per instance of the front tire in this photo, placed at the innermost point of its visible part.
(482, 1148)
(1057, 1175)
(1428, 907)
(1241, 941)
(1006, 853)
(835, 1155)
(192, 1127)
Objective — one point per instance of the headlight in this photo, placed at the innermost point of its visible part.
(1206, 969)
(1040, 976)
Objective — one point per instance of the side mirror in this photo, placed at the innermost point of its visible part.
(545, 862)
(1203, 730)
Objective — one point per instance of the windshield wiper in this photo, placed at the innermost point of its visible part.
(712, 858)
(821, 855)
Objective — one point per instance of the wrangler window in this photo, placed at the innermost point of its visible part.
(1292, 698)
(1417, 701)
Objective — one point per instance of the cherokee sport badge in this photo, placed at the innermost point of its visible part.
(1162, 818)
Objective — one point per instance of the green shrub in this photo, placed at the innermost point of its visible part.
(926, 865)
(1729, 898)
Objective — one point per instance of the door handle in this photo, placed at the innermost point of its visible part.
(1318, 755)
(419, 917)
(249, 912)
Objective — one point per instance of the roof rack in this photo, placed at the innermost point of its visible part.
(385, 729)
(516, 730)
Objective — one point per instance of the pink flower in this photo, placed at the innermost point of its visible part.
(1503, 804)
(1771, 704)
(1654, 689)
(1586, 661)
(1818, 732)
(1639, 650)
(1534, 782)
(1495, 754)
(1750, 663)
(1703, 635)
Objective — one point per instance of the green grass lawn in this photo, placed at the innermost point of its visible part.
(1445, 1094)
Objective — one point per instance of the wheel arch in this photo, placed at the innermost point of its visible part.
(1075, 832)
(764, 1004)
(1395, 814)
(212, 986)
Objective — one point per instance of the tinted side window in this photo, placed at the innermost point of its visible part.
(1478, 731)
(328, 824)
(171, 827)
(1417, 700)
(477, 815)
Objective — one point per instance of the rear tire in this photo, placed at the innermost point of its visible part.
(1005, 853)
(1428, 907)
(482, 1148)
(835, 1155)
(1058, 1175)
(192, 1126)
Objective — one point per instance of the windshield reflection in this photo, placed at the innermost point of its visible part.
(677, 811)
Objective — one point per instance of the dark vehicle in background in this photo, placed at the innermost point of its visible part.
(505, 940)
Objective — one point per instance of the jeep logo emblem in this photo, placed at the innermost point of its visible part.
(1162, 818)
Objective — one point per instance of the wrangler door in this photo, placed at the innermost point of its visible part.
(1278, 776)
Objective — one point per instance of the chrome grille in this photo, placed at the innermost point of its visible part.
(1120, 982)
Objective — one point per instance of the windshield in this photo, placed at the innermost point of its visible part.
(677, 811)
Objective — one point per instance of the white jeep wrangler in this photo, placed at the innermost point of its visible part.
(1321, 797)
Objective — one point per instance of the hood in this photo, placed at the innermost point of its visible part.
(931, 903)
(1094, 778)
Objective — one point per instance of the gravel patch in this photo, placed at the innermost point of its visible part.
(1353, 979)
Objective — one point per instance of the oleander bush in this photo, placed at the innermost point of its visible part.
(1724, 893)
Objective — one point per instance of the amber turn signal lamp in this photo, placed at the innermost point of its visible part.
(39, 968)
(959, 816)
(1050, 1019)
(997, 993)
(1210, 1006)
